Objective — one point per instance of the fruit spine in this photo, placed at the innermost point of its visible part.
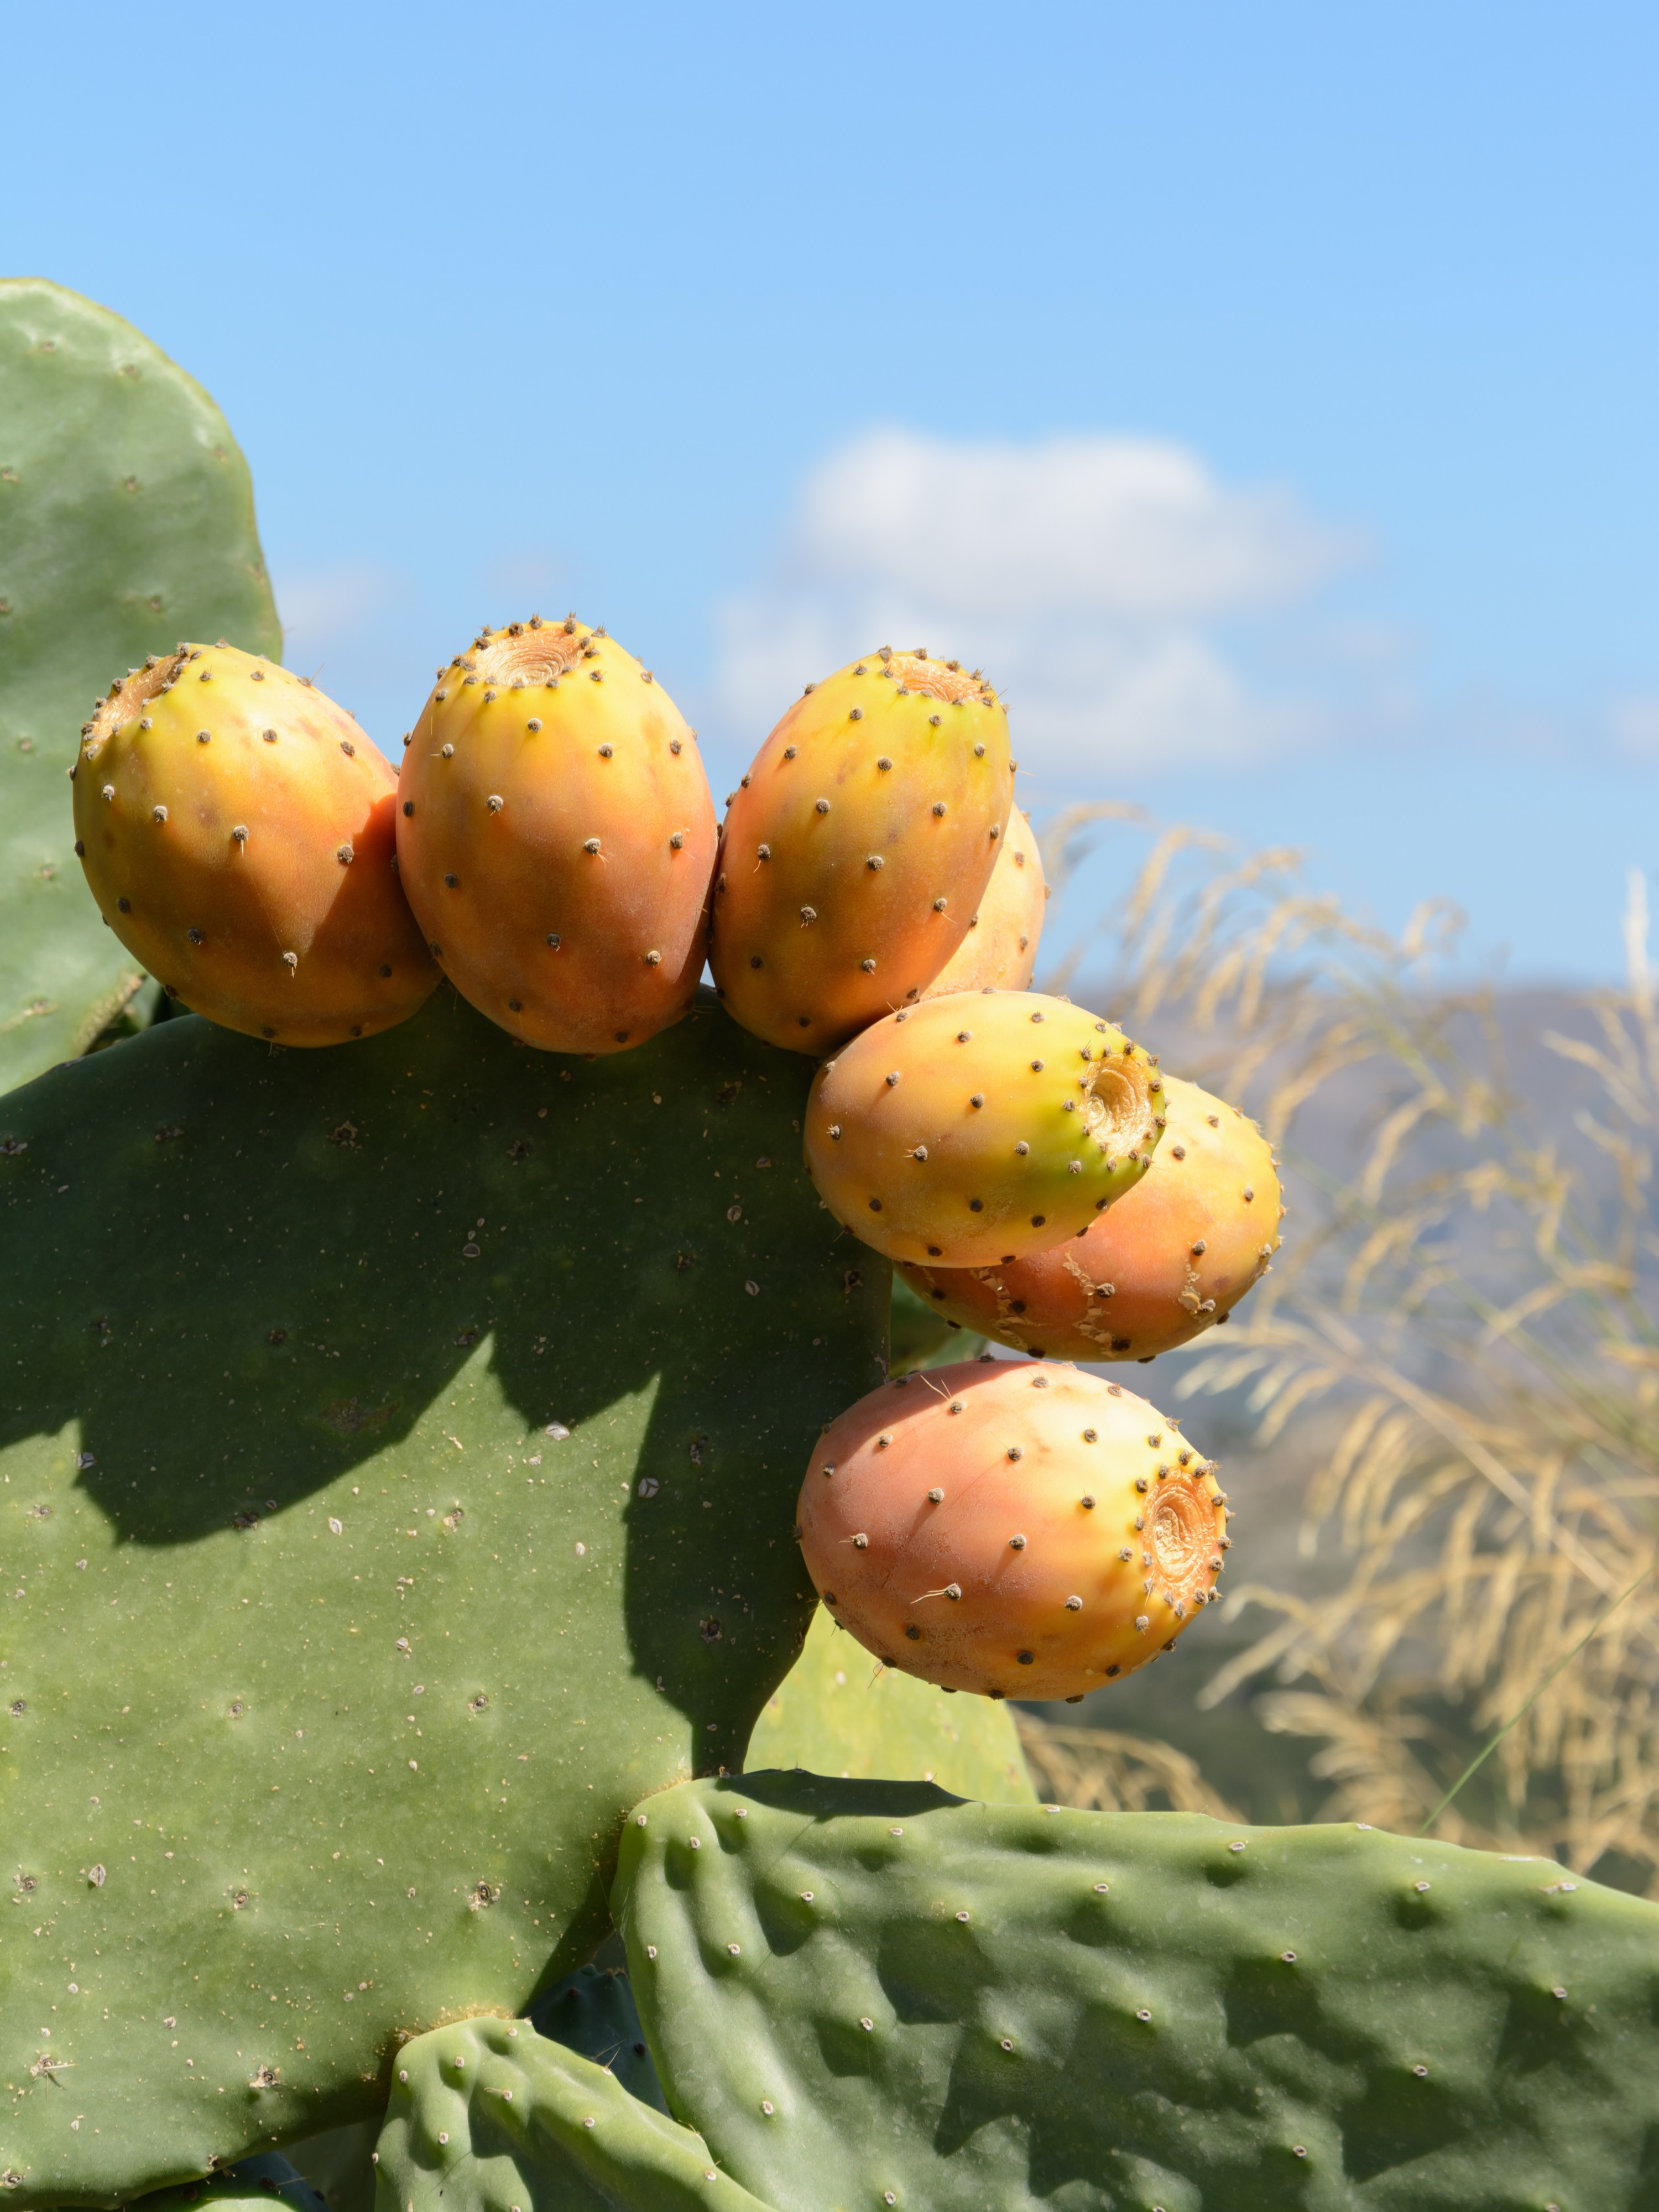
(1170, 1259)
(1019, 1530)
(557, 837)
(980, 1127)
(858, 848)
(236, 829)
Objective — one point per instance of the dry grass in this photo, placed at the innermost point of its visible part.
(1101, 1771)
(1468, 1301)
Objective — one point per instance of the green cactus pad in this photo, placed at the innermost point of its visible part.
(126, 523)
(337, 1660)
(592, 2013)
(969, 2005)
(490, 2117)
(919, 1338)
(840, 1711)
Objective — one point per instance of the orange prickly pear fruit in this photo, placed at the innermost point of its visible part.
(859, 848)
(557, 837)
(1172, 1257)
(1000, 951)
(236, 828)
(975, 1129)
(1020, 1530)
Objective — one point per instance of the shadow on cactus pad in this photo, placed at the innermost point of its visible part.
(398, 1480)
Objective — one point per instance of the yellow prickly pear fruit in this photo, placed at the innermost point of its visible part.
(1000, 951)
(1170, 1259)
(236, 828)
(859, 848)
(557, 837)
(1020, 1530)
(981, 1127)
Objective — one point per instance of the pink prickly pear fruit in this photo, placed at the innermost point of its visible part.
(1020, 1530)
(1173, 1257)
(858, 847)
(1000, 951)
(236, 829)
(975, 1129)
(557, 837)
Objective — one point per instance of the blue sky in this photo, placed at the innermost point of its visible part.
(1265, 394)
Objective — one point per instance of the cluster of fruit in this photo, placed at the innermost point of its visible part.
(874, 895)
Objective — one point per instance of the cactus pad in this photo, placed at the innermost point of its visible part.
(866, 1994)
(126, 522)
(490, 2117)
(398, 1482)
(839, 1711)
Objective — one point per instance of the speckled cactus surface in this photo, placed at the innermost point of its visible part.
(858, 847)
(126, 522)
(237, 830)
(865, 1994)
(394, 1485)
(981, 1127)
(557, 838)
(490, 2117)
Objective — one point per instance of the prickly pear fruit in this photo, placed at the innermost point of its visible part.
(236, 828)
(1000, 951)
(859, 848)
(980, 1127)
(557, 837)
(1023, 1530)
(1172, 1257)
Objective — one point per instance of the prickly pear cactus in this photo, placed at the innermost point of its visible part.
(1170, 1260)
(864, 1993)
(1014, 1529)
(857, 849)
(592, 2011)
(488, 2113)
(999, 952)
(840, 1711)
(981, 1127)
(398, 1483)
(237, 830)
(126, 523)
(557, 838)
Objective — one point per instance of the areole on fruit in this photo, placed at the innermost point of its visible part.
(557, 837)
(1167, 1261)
(235, 826)
(1017, 1529)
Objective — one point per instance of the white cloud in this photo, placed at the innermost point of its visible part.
(1088, 576)
(1635, 728)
